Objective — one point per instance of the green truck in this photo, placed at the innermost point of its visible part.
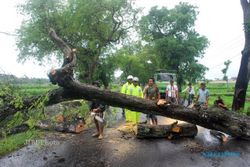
(162, 78)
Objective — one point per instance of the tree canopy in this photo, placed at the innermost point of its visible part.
(90, 26)
(95, 28)
(174, 39)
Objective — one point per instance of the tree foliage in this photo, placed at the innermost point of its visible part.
(224, 70)
(175, 41)
(90, 26)
(137, 60)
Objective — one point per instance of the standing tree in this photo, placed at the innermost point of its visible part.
(224, 70)
(136, 59)
(175, 40)
(91, 26)
(244, 71)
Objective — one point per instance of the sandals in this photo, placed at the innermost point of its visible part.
(95, 135)
(100, 137)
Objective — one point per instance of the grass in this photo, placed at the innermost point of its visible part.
(15, 142)
(35, 89)
(226, 93)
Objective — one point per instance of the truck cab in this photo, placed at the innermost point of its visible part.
(162, 79)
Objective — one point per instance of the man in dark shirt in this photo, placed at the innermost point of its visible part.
(97, 108)
(151, 92)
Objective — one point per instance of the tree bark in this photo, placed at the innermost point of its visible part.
(244, 71)
(54, 96)
(166, 131)
(229, 122)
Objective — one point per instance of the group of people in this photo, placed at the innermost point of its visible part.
(150, 92)
(201, 98)
(131, 87)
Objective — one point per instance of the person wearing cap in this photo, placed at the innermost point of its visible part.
(134, 90)
(125, 88)
(172, 93)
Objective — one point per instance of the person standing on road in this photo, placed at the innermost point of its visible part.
(191, 93)
(125, 88)
(134, 90)
(203, 96)
(151, 92)
(172, 94)
(97, 109)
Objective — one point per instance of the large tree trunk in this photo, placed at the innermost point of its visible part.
(229, 122)
(166, 131)
(244, 72)
(232, 123)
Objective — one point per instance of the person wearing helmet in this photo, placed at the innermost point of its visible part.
(125, 88)
(134, 90)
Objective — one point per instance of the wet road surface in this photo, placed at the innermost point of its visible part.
(117, 150)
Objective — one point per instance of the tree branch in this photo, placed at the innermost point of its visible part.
(228, 122)
(60, 43)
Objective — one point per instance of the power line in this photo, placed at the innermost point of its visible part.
(222, 63)
(228, 46)
(7, 33)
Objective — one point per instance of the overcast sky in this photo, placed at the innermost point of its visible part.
(220, 21)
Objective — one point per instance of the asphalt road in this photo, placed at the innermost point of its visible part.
(117, 150)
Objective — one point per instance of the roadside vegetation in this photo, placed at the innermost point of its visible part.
(227, 93)
(13, 142)
(10, 138)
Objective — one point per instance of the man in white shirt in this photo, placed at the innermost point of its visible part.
(172, 93)
(190, 92)
(203, 95)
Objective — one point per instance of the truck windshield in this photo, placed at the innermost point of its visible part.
(164, 77)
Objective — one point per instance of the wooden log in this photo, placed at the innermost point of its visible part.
(166, 131)
(67, 126)
(232, 123)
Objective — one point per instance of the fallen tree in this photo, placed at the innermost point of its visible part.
(229, 122)
(52, 97)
